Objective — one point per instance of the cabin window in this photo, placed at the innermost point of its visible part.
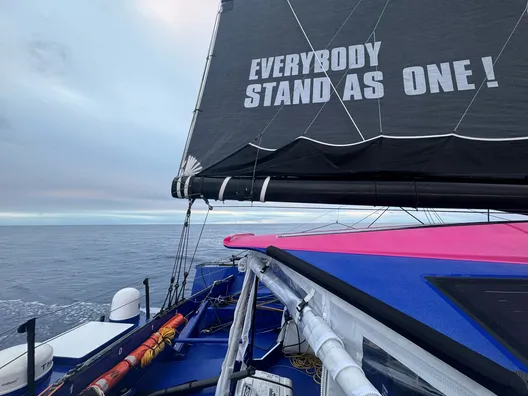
(499, 305)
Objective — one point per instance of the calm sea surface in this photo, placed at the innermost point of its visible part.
(44, 270)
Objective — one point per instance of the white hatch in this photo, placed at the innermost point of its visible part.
(85, 340)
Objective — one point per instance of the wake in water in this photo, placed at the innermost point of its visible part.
(51, 319)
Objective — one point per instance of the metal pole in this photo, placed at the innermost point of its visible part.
(253, 319)
(147, 297)
(29, 328)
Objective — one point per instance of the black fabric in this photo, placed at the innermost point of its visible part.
(444, 157)
(499, 305)
(453, 46)
(479, 368)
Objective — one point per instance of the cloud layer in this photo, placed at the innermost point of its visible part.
(95, 101)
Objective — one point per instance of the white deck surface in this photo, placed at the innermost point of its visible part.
(83, 339)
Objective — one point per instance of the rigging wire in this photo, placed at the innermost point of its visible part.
(362, 209)
(324, 70)
(87, 300)
(492, 215)
(413, 216)
(377, 218)
(346, 72)
(309, 71)
(437, 216)
(176, 268)
(56, 336)
(366, 217)
(523, 13)
(12, 329)
(259, 136)
(187, 270)
(7, 335)
(428, 215)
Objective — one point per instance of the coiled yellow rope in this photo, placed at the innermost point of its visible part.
(165, 336)
(311, 364)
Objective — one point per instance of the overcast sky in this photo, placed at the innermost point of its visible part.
(96, 99)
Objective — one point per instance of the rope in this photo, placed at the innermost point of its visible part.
(186, 270)
(163, 336)
(310, 364)
(171, 298)
(8, 335)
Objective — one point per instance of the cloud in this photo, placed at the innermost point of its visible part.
(96, 99)
(316, 218)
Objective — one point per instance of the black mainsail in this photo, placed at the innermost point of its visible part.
(373, 102)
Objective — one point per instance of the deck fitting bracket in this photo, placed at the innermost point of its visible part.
(266, 266)
(304, 303)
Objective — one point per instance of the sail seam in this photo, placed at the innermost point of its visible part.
(525, 10)
(321, 65)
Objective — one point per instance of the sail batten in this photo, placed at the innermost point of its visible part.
(309, 93)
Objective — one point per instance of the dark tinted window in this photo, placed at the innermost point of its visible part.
(499, 305)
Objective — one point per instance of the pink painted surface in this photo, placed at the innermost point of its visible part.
(507, 243)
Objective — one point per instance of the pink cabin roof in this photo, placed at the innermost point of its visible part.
(492, 242)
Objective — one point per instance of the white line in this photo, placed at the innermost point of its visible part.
(377, 22)
(261, 148)
(264, 189)
(495, 61)
(222, 188)
(403, 137)
(326, 74)
(186, 187)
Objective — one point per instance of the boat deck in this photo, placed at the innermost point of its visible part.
(203, 344)
(202, 355)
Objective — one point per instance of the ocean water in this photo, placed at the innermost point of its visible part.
(67, 275)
